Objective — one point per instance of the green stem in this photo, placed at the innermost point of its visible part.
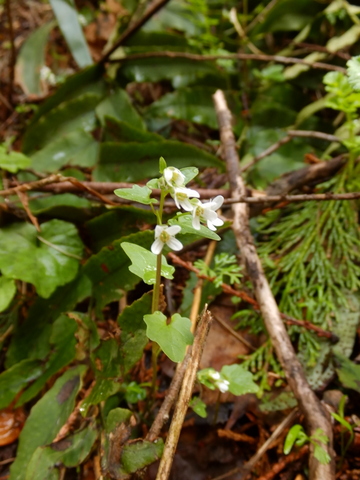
(156, 291)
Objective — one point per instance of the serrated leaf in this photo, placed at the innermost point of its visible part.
(31, 59)
(173, 338)
(241, 380)
(144, 263)
(32, 339)
(13, 161)
(46, 265)
(131, 162)
(118, 106)
(68, 20)
(136, 194)
(7, 292)
(46, 419)
(133, 337)
(71, 452)
(15, 378)
(74, 148)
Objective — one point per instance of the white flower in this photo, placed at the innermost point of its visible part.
(223, 385)
(166, 236)
(207, 212)
(181, 196)
(173, 177)
(214, 375)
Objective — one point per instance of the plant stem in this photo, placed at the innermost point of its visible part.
(156, 291)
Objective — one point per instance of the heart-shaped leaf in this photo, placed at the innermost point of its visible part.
(173, 338)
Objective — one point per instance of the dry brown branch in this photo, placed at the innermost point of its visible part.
(315, 415)
(155, 6)
(247, 298)
(233, 56)
(184, 397)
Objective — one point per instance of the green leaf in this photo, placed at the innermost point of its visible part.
(136, 194)
(138, 455)
(162, 164)
(124, 132)
(32, 338)
(74, 148)
(13, 161)
(173, 338)
(63, 351)
(131, 162)
(103, 389)
(133, 337)
(198, 406)
(185, 222)
(15, 378)
(118, 106)
(291, 437)
(321, 454)
(353, 71)
(71, 452)
(144, 263)
(68, 20)
(241, 380)
(342, 421)
(348, 372)
(31, 59)
(46, 419)
(7, 292)
(46, 259)
(109, 269)
(71, 115)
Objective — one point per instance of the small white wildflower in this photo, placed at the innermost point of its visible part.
(207, 212)
(223, 385)
(181, 195)
(166, 236)
(173, 177)
(214, 375)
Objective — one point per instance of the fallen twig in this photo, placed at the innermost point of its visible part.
(315, 415)
(184, 397)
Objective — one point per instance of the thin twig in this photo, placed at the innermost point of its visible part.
(233, 333)
(37, 185)
(247, 298)
(248, 466)
(232, 56)
(184, 397)
(315, 415)
(268, 151)
(155, 6)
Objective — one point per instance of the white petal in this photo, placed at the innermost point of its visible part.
(211, 226)
(157, 246)
(158, 230)
(217, 202)
(174, 244)
(196, 222)
(173, 230)
(210, 215)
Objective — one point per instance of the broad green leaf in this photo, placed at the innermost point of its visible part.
(191, 104)
(137, 455)
(118, 106)
(241, 380)
(13, 161)
(47, 259)
(353, 71)
(122, 131)
(198, 406)
(136, 194)
(117, 223)
(109, 269)
(63, 351)
(32, 338)
(189, 173)
(46, 419)
(31, 59)
(15, 378)
(68, 20)
(65, 206)
(130, 162)
(348, 373)
(133, 337)
(291, 437)
(71, 452)
(71, 115)
(77, 147)
(173, 338)
(7, 292)
(157, 38)
(144, 263)
(103, 389)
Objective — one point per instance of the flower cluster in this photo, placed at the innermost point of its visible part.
(187, 199)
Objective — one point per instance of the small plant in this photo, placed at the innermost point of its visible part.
(297, 436)
(224, 270)
(340, 417)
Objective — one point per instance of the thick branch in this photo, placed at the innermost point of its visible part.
(310, 405)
